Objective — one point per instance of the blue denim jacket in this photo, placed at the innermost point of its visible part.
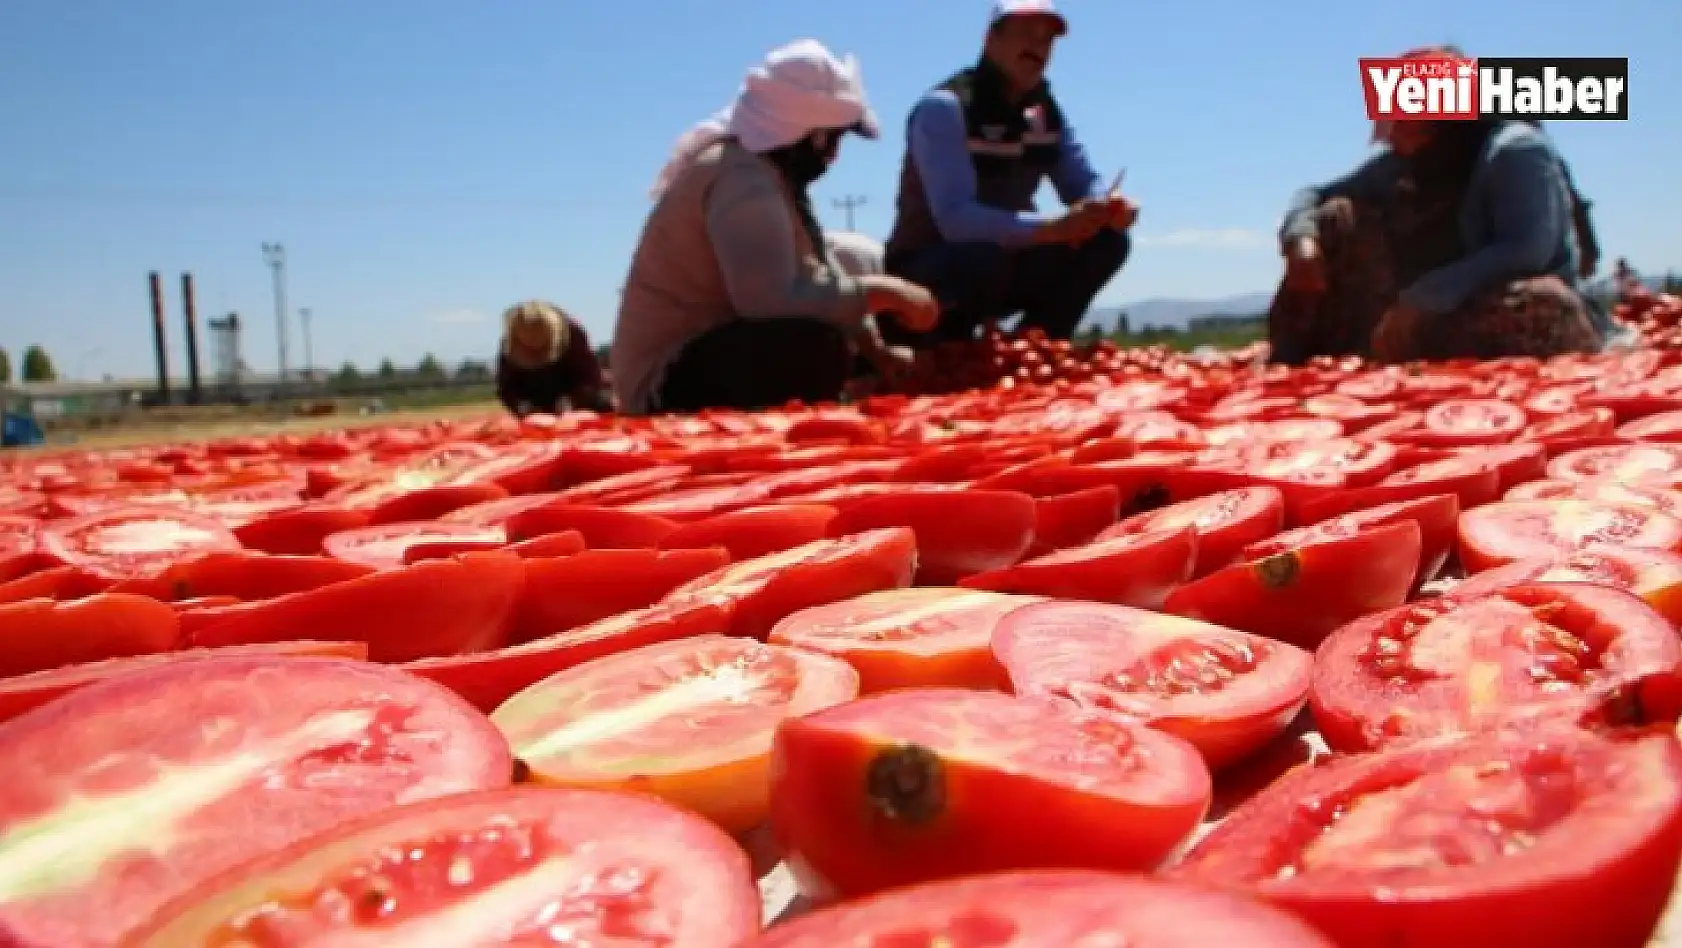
(1515, 221)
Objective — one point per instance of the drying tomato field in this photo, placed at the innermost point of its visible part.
(1149, 652)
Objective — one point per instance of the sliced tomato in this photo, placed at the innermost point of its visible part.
(125, 794)
(58, 582)
(387, 546)
(959, 533)
(690, 721)
(1471, 421)
(754, 531)
(1647, 495)
(1626, 463)
(1045, 909)
(24, 692)
(1501, 533)
(572, 591)
(431, 609)
(1300, 594)
(495, 513)
(924, 784)
(1226, 692)
(1463, 664)
(604, 528)
(298, 530)
(1436, 516)
(1072, 519)
(501, 867)
(1653, 575)
(1137, 569)
(40, 634)
(763, 590)
(927, 637)
(243, 575)
(1559, 839)
(132, 541)
(1225, 521)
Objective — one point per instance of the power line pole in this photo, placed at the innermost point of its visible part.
(275, 256)
(849, 204)
(309, 353)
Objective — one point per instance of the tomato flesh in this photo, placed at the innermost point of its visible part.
(1495, 534)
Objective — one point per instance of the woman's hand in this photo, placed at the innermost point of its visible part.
(1305, 269)
(911, 305)
(1393, 341)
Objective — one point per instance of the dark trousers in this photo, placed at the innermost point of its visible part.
(1051, 285)
(750, 364)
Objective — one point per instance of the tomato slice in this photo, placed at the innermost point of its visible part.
(1074, 518)
(1656, 496)
(1558, 839)
(1300, 594)
(499, 867)
(1225, 521)
(690, 721)
(1626, 463)
(959, 533)
(1436, 516)
(604, 528)
(1461, 664)
(571, 591)
(1495, 534)
(1131, 570)
(243, 575)
(923, 784)
(40, 634)
(754, 531)
(130, 541)
(24, 692)
(1471, 421)
(1045, 909)
(1653, 575)
(125, 794)
(387, 546)
(1224, 691)
(907, 638)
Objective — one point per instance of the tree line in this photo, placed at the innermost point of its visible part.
(37, 366)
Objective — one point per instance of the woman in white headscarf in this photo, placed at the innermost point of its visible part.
(736, 298)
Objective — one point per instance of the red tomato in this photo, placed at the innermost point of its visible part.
(1660, 497)
(959, 533)
(1225, 692)
(1471, 421)
(1560, 839)
(1653, 575)
(763, 590)
(40, 634)
(1436, 517)
(125, 794)
(1225, 522)
(435, 608)
(1132, 570)
(923, 784)
(1072, 519)
(1461, 664)
(244, 575)
(59, 582)
(298, 530)
(604, 528)
(1517, 530)
(1045, 909)
(132, 541)
(690, 721)
(502, 867)
(387, 546)
(928, 637)
(754, 531)
(1300, 595)
(1626, 463)
(24, 692)
(567, 592)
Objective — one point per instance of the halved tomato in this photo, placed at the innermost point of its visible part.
(132, 541)
(959, 533)
(1226, 522)
(1071, 519)
(1300, 594)
(1557, 839)
(1045, 909)
(754, 531)
(928, 637)
(387, 545)
(126, 794)
(1224, 691)
(243, 575)
(1458, 421)
(1461, 664)
(1626, 463)
(1660, 496)
(1653, 575)
(690, 721)
(495, 868)
(924, 784)
(604, 528)
(1436, 517)
(1137, 569)
(24, 692)
(571, 591)
(40, 634)
(298, 530)
(1495, 534)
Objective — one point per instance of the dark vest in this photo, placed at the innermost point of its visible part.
(1012, 146)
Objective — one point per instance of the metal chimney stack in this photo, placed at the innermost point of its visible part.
(158, 336)
(189, 313)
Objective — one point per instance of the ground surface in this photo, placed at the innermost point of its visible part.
(165, 432)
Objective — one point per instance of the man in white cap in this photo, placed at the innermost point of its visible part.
(979, 146)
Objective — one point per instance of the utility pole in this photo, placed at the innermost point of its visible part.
(275, 256)
(309, 352)
(849, 204)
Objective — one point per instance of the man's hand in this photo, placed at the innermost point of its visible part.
(1123, 213)
(1079, 224)
(1305, 269)
(892, 363)
(1393, 341)
(911, 305)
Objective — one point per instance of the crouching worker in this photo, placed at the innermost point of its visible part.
(546, 364)
(735, 297)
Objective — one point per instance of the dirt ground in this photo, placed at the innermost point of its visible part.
(176, 432)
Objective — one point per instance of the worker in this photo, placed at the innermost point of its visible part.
(979, 146)
(736, 298)
(546, 364)
(1454, 239)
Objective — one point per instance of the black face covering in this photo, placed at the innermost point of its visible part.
(802, 163)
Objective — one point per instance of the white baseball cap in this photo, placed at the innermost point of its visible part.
(1045, 8)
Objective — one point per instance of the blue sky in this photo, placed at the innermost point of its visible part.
(428, 162)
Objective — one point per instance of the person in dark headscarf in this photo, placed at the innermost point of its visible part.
(1456, 239)
(736, 297)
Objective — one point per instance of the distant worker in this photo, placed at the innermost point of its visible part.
(979, 146)
(736, 297)
(1457, 239)
(546, 364)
